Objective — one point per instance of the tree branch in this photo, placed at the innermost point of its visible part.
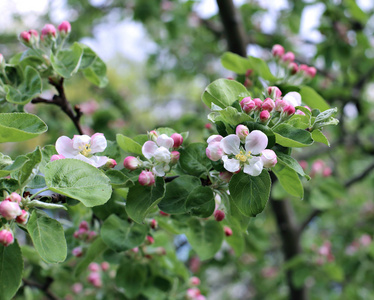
(61, 101)
(42, 287)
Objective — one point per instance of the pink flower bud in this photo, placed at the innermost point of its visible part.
(269, 158)
(57, 157)
(293, 67)
(6, 237)
(153, 224)
(227, 230)
(317, 167)
(77, 251)
(94, 267)
(264, 116)
(326, 172)
(219, 215)
(225, 176)
(91, 235)
(111, 163)
(289, 110)
(178, 140)
(23, 217)
(311, 72)
(105, 266)
(146, 178)
(10, 210)
(83, 225)
(25, 37)
(193, 293)
(200, 297)
(131, 163)
(214, 151)
(258, 103)
(194, 280)
(64, 27)
(153, 135)
(303, 164)
(277, 50)
(48, 30)
(247, 105)
(299, 112)
(288, 57)
(268, 105)
(135, 250)
(150, 240)
(77, 288)
(14, 197)
(34, 33)
(174, 157)
(247, 82)
(34, 36)
(248, 72)
(208, 126)
(303, 67)
(274, 92)
(242, 132)
(280, 105)
(95, 279)
(164, 214)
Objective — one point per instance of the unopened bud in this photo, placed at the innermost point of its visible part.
(293, 67)
(153, 224)
(326, 172)
(303, 164)
(194, 280)
(23, 217)
(311, 72)
(146, 178)
(95, 279)
(219, 215)
(57, 157)
(14, 197)
(264, 116)
(288, 57)
(10, 210)
(153, 135)
(174, 157)
(110, 164)
(131, 163)
(248, 72)
(64, 28)
(105, 266)
(25, 37)
(258, 103)
(77, 288)
(268, 105)
(242, 132)
(303, 67)
(228, 231)
(208, 126)
(164, 214)
(247, 104)
(225, 176)
(150, 240)
(94, 267)
(34, 36)
(277, 50)
(289, 110)
(269, 158)
(178, 140)
(6, 237)
(280, 105)
(77, 251)
(48, 31)
(274, 92)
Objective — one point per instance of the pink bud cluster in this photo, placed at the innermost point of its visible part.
(287, 59)
(319, 167)
(161, 153)
(95, 273)
(194, 294)
(85, 235)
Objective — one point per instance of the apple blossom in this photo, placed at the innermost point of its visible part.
(293, 98)
(77, 288)
(77, 251)
(83, 147)
(64, 28)
(25, 37)
(288, 57)
(178, 140)
(131, 163)
(10, 210)
(277, 50)
(311, 72)
(48, 30)
(247, 104)
(274, 92)
(289, 110)
(146, 178)
(208, 126)
(174, 157)
(293, 67)
(6, 237)
(264, 116)
(153, 224)
(214, 150)
(280, 105)
(242, 131)
(269, 158)
(219, 215)
(255, 143)
(258, 103)
(94, 267)
(14, 197)
(105, 266)
(150, 240)
(95, 279)
(268, 105)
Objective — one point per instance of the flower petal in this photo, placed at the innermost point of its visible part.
(80, 141)
(149, 148)
(98, 143)
(98, 161)
(64, 146)
(255, 166)
(256, 142)
(231, 164)
(214, 138)
(158, 170)
(293, 98)
(164, 141)
(231, 144)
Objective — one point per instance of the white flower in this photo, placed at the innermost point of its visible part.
(255, 143)
(293, 98)
(83, 147)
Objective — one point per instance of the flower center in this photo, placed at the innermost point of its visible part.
(242, 156)
(85, 150)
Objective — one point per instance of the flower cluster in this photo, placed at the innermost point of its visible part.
(85, 235)
(252, 157)
(10, 210)
(194, 293)
(83, 147)
(288, 66)
(319, 167)
(160, 152)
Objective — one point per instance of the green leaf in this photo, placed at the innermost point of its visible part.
(231, 116)
(288, 136)
(30, 87)
(96, 73)
(176, 194)
(200, 202)
(290, 162)
(94, 250)
(142, 199)
(11, 268)
(289, 180)
(319, 137)
(223, 92)
(30, 168)
(193, 159)
(132, 277)
(129, 145)
(260, 67)
(205, 237)
(47, 152)
(250, 193)
(119, 179)
(88, 56)
(66, 62)
(78, 180)
(8, 184)
(48, 237)
(235, 63)
(120, 235)
(18, 127)
(311, 98)
(14, 166)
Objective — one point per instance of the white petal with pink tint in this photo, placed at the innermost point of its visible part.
(214, 138)
(231, 144)
(149, 148)
(64, 146)
(80, 141)
(255, 166)
(293, 98)
(231, 164)
(165, 141)
(98, 143)
(256, 142)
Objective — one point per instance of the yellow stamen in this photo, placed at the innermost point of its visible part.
(242, 156)
(86, 150)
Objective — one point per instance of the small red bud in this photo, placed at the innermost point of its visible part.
(150, 240)
(228, 231)
(219, 215)
(153, 224)
(64, 27)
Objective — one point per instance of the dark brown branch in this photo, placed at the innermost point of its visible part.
(42, 287)
(61, 101)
